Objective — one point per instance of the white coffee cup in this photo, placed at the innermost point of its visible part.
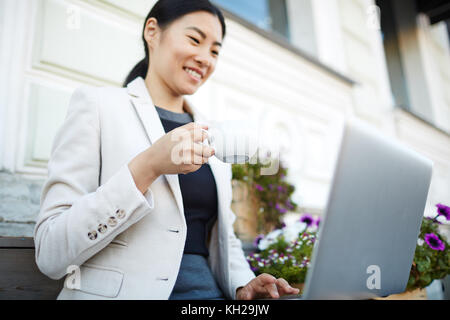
(233, 141)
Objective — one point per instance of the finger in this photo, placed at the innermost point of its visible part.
(194, 126)
(199, 159)
(283, 285)
(267, 284)
(205, 160)
(272, 289)
(195, 153)
(196, 159)
(199, 135)
(285, 288)
(202, 150)
(189, 132)
(190, 157)
(189, 126)
(246, 293)
(201, 125)
(264, 279)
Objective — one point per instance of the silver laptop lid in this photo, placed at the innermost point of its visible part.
(368, 235)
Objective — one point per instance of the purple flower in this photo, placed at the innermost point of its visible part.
(289, 205)
(280, 209)
(257, 240)
(443, 210)
(259, 187)
(308, 219)
(434, 242)
(433, 219)
(317, 221)
(271, 186)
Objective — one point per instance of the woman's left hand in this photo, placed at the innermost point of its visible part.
(265, 286)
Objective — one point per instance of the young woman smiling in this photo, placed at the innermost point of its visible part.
(116, 206)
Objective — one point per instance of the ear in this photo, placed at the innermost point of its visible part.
(152, 32)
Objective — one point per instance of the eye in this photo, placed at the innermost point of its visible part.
(216, 53)
(195, 40)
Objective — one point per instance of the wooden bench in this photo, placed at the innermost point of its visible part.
(20, 278)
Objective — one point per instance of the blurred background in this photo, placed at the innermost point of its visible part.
(306, 65)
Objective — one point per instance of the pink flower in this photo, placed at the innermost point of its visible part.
(443, 210)
(434, 242)
(259, 187)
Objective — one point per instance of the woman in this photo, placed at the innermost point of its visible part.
(117, 208)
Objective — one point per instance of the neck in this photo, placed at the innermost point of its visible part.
(162, 98)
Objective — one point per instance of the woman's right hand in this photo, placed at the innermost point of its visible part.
(178, 151)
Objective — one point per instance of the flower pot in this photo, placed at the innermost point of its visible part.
(245, 208)
(417, 294)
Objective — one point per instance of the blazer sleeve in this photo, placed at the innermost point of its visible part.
(70, 227)
(240, 271)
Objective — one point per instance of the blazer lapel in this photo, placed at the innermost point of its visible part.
(153, 127)
(222, 176)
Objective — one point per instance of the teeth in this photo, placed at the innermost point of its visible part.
(194, 73)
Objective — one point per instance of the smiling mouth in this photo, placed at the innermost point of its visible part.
(193, 73)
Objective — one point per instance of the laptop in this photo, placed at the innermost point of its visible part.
(368, 234)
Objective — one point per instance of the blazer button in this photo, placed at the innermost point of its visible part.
(112, 221)
(120, 213)
(102, 228)
(92, 235)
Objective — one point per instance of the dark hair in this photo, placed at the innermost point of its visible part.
(166, 12)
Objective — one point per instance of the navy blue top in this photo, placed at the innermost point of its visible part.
(199, 193)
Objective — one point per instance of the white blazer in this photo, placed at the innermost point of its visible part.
(127, 245)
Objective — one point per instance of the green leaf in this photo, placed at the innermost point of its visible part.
(421, 266)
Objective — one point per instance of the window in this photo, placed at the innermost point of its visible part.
(270, 15)
(417, 70)
(447, 22)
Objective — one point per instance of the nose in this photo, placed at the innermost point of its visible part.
(203, 61)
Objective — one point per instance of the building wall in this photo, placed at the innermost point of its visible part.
(359, 54)
(48, 48)
(54, 46)
(435, 45)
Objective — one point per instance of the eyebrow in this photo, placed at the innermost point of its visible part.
(203, 34)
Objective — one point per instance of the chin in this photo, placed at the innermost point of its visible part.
(190, 91)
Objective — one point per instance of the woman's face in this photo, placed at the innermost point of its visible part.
(185, 55)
